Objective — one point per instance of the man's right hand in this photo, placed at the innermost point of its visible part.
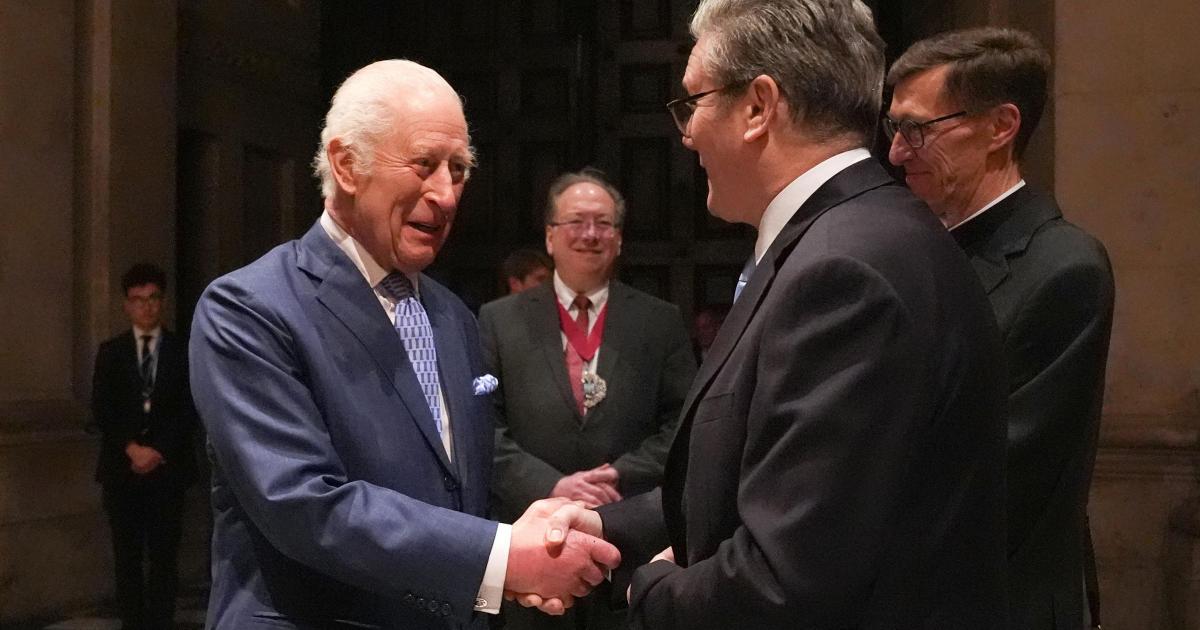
(569, 568)
(594, 487)
(564, 519)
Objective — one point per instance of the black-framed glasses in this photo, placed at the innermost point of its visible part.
(912, 131)
(682, 108)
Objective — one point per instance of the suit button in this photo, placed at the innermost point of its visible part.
(434, 606)
(409, 599)
(451, 484)
(446, 610)
(420, 602)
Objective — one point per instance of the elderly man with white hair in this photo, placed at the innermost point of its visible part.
(348, 415)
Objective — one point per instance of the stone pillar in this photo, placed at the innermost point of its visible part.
(88, 125)
(1127, 155)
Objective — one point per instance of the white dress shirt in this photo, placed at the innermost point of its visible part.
(789, 200)
(491, 591)
(566, 297)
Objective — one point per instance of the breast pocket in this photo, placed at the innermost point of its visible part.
(712, 408)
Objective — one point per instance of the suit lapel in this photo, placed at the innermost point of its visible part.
(1003, 230)
(345, 293)
(850, 182)
(453, 374)
(541, 314)
(619, 334)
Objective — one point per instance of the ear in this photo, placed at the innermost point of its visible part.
(1006, 122)
(762, 108)
(342, 163)
(549, 244)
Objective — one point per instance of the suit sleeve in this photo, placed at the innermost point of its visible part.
(827, 439)
(1056, 351)
(271, 446)
(643, 466)
(518, 477)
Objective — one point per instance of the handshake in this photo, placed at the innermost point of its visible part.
(557, 553)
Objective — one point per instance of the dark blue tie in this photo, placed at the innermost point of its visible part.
(412, 324)
(744, 278)
(146, 369)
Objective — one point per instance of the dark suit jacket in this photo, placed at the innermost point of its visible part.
(540, 436)
(1051, 287)
(334, 500)
(117, 411)
(840, 459)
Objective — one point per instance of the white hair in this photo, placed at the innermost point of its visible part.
(363, 111)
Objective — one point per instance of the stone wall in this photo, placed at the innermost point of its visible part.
(88, 185)
(1127, 168)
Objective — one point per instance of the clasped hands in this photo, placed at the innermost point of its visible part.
(555, 563)
(594, 487)
(142, 459)
(567, 525)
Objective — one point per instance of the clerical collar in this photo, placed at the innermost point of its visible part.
(992, 203)
(372, 271)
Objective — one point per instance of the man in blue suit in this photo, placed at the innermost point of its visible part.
(347, 411)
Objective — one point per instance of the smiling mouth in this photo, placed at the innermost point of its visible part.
(428, 228)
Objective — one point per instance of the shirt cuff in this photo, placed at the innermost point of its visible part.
(491, 591)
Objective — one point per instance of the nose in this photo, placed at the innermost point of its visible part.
(899, 152)
(441, 189)
(687, 138)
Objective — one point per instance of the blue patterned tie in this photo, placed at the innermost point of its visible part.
(744, 278)
(412, 324)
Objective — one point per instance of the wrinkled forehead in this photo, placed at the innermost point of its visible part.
(923, 93)
(697, 71)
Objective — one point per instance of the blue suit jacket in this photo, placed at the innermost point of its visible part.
(333, 498)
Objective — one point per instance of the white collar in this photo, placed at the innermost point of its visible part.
(154, 333)
(370, 270)
(995, 201)
(789, 200)
(566, 295)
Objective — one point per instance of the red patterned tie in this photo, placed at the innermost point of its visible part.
(574, 362)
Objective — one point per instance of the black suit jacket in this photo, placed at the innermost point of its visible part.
(117, 411)
(840, 459)
(644, 358)
(1051, 287)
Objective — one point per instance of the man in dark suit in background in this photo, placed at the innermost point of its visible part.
(592, 375)
(525, 269)
(346, 402)
(840, 459)
(142, 406)
(965, 105)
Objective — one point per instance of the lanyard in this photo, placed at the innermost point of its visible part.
(584, 344)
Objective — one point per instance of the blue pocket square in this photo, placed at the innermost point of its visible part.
(485, 384)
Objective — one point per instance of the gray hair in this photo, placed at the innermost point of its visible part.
(825, 55)
(363, 111)
(588, 175)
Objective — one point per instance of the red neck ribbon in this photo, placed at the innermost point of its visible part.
(584, 344)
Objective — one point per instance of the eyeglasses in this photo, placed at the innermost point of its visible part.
(579, 227)
(682, 108)
(144, 300)
(912, 131)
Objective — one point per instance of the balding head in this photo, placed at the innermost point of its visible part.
(368, 106)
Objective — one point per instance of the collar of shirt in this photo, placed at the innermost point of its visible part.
(566, 297)
(154, 333)
(371, 271)
(789, 200)
(995, 201)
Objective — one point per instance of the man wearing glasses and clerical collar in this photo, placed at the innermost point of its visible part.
(592, 375)
(965, 105)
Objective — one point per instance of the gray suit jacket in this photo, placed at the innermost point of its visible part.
(1051, 287)
(540, 435)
